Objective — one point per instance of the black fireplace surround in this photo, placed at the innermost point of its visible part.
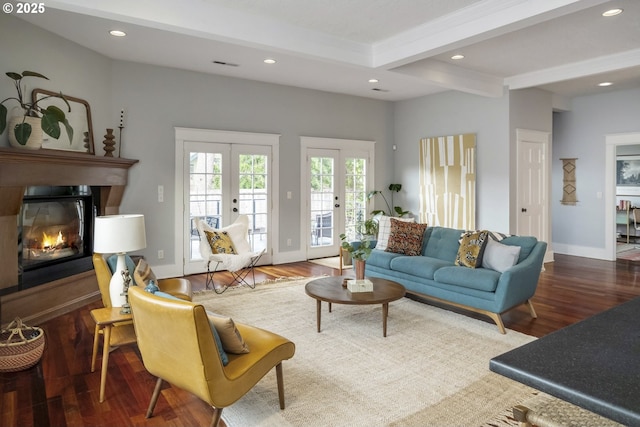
(55, 232)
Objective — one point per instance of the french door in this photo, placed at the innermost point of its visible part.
(221, 182)
(336, 186)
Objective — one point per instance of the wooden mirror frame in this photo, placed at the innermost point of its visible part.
(78, 133)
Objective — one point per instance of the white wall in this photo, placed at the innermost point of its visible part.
(580, 133)
(451, 113)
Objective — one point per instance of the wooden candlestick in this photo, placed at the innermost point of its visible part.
(109, 143)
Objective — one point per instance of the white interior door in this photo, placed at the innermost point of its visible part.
(337, 187)
(222, 181)
(533, 192)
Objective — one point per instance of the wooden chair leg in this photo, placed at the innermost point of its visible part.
(217, 414)
(532, 310)
(106, 339)
(94, 355)
(154, 398)
(279, 377)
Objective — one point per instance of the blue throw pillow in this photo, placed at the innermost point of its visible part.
(166, 295)
(216, 336)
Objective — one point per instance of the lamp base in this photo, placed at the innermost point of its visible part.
(116, 285)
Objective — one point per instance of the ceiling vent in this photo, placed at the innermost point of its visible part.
(227, 64)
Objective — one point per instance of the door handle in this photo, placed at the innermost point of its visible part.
(524, 209)
(235, 209)
(336, 205)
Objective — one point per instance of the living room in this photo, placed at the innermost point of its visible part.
(159, 98)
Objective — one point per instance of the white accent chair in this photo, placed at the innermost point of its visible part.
(240, 264)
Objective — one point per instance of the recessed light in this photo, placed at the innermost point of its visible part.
(456, 57)
(604, 84)
(269, 61)
(373, 80)
(117, 33)
(612, 12)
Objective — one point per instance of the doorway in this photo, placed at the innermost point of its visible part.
(222, 175)
(533, 186)
(611, 145)
(336, 177)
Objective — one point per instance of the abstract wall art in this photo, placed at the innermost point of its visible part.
(448, 181)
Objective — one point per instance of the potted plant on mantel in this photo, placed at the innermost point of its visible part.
(25, 130)
(359, 251)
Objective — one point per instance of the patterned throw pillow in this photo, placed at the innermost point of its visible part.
(406, 237)
(220, 242)
(384, 230)
(472, 244)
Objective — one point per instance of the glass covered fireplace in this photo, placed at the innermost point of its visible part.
(54, 233)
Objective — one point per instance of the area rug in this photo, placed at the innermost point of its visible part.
(431, 369)
(332, 262)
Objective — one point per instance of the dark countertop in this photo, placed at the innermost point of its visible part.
(594, 364)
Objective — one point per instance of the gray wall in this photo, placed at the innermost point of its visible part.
(72, 70)
(451, 113)
(581, 133)
(156, 99)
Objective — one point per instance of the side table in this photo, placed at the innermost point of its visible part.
(107, 320)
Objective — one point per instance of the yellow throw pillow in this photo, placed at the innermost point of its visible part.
(220, 242)
(472, 244)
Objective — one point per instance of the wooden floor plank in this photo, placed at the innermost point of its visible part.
(61, 391)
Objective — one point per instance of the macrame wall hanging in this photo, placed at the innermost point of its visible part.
(569, 182)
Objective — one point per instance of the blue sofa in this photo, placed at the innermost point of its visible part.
(434, 276)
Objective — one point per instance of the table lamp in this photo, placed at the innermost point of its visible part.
(119, 234)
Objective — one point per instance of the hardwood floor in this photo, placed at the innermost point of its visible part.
(61, 390)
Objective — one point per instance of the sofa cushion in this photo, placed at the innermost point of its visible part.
(472, 244)
(384, 230)
(406, 237)
(500, 257)
(420, 266)
(442, 243)
(381, 259)
(481, 279)
(526, 243)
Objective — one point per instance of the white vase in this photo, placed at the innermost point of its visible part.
(35, 139)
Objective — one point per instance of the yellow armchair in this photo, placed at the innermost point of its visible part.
(178, 346)
(122, 332)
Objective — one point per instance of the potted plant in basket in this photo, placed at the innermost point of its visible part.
(34, 119)
(359, 251)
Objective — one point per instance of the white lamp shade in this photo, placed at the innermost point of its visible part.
(119, 234)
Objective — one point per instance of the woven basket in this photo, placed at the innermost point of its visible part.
(21, 346)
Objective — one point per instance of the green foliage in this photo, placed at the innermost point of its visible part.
(393, 188)
(358, 250)
(50, 117)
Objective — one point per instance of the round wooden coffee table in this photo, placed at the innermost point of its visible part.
(329, 289)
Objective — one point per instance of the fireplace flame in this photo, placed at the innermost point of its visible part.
(52, 242)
